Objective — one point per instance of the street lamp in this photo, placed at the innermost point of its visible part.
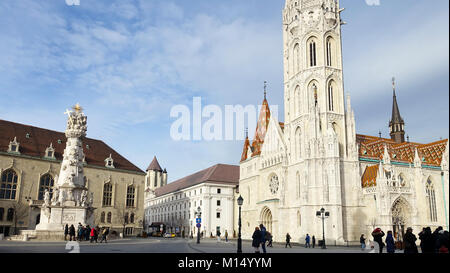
(323, 214)
(199, 215)
(240, 201)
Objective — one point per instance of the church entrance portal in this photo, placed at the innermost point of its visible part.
(266, 219)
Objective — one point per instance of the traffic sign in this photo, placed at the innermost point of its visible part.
(198, 220)
(199, 225)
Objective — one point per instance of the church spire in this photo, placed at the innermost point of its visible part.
(396, 125)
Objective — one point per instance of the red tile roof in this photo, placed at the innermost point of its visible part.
(220, 173)
(39, 139)
(154, 166)
(373, 148)
(369, 178)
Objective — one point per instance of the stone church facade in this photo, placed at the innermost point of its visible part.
(316, 159)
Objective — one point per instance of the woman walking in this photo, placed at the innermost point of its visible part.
(390, 244)
(410, 242)
(256, 239)
(362, 241)
(378, 235)
(72, 233)
(288, 240)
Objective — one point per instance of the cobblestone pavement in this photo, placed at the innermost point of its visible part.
(159, 245)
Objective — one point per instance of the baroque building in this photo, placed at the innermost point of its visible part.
(316, 159)
(30, 162)
(173, 207)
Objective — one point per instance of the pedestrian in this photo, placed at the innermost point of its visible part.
(263, 237)
(66, 232)
(79, 229)
(226, 236)
(96, 232)
(87, 231)
(427, 241)
(288, 240)
(390, 244)
(362, 241)
(313, 241)
(269, 239)
(378, 235)
(410, 242)
(72, 233)
(256, 239)
(436, 239)
(92, 234)
(443, 241)
(104, 234)
(218, 235)
(307, 241)
(80, 233)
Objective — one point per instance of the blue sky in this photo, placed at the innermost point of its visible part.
(128, 62)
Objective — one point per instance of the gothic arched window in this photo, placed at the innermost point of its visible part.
(102, 217)
(312, 54)
(274, 184)
(296, 60)
(108, 218)
(10, 215)
(329, 51)
(431, 199)
(2, 211)
(8, 185)
(132, 218)
(297, 95)
(107, 194)
(330, 97)
(125, 218)
(130, 196)
(298, 142)
(46, 183)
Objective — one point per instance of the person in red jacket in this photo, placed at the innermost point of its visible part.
(92, 234)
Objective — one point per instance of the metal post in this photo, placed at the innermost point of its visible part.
(239, 246)
(323, 231)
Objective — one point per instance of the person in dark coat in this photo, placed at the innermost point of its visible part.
(288, 240)
(362, 241)
(436, 239)
(263, 237)
(390, 243)
(427, 241)
(378, 235)
(443, 241)
(313, 241)
(87, 231)
(72, 233)
(66, 232)
(410, 242)
(269, 239)
(256, 239)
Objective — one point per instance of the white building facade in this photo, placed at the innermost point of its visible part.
(175, 205)
(316, 159)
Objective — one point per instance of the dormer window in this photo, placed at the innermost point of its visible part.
(27, 135)
(50, 152)
(109, 162)
(14, 146)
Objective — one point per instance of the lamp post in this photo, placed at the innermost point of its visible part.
(323, 214)
(240, 201)
(199, 215)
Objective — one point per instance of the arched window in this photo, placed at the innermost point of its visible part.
(330, 97)
(2, 212)
(298, 142)
(107, 194)
(296, 58)
(8, 185)
(298, 185)
(108, 218)
(125, 218)
(130, 196)
(102, 217)
(46, 183)
(10, 215)
(298, 104)
(329, 51)
(312, 54)
(132, 218)
(431, 198)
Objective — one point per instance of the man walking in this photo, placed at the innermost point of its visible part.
(263, 237)
(226, 236)
(288, 241)
(66, 232)
(307, 240)
(72, 233)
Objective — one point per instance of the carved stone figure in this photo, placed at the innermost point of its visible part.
(84, 198)
(46, 198)
(55, 197)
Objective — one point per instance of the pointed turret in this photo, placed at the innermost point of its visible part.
(263, 123)
(396, 125)
(154, 166)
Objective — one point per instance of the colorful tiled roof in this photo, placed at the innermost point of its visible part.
(95, 151)
(373, 148)
(369, 178)
(245, 150)
(220, 173)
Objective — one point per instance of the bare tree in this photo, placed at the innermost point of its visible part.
(20, 211)
(123, 217)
